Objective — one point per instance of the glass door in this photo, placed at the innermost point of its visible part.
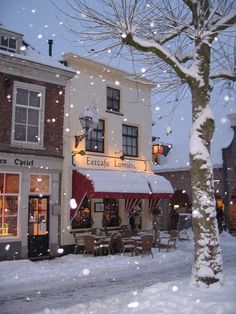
(38, 222)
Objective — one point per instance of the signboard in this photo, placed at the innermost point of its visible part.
(111, 163)
(29, 161)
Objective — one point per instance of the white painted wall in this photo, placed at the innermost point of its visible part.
(90, 85)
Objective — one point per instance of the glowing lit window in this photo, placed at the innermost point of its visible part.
(39, 184)
(9, 202)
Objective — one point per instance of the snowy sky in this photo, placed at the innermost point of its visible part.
(39, 21)
(126, 285)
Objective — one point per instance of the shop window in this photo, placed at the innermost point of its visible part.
(95, 139)
(9, 202)
(110, 213)
(39, 184)
(28, 117)
(113, 99)
(81, 218)
(130, 140)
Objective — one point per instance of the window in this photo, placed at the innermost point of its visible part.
(130, 140)
(113, 99)
(110, 213)
(95, 139)
(8, 44)
(9, 200)
(39, 184)
(81, 218)
(28, 114)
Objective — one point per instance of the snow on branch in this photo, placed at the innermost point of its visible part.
(223, 23)
(227, 75)
(147, 46)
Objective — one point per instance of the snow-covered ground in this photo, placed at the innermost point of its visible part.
(117, 284)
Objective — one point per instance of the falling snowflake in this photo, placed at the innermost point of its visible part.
(85, 271)
(174, 288)
(133, 305)
(168, 130)
(226, 98)
(223, 120)
(73, 203)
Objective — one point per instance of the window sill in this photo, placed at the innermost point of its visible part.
(115, 112)
(15, 145)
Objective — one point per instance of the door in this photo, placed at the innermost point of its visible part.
(38, 222)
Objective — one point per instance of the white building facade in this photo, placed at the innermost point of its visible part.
(109, 173)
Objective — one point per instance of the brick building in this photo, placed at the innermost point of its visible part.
(32, 89)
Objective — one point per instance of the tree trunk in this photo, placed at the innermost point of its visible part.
(207, 268)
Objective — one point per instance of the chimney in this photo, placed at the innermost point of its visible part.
(50, 43)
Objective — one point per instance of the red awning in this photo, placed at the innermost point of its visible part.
(119, 184)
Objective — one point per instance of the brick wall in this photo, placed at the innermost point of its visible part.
(54, 109)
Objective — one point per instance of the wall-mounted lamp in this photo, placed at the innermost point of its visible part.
(88, 120)
(160, 149)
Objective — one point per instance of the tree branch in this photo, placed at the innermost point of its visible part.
(226, 75)
(159, 51)
(223, 23)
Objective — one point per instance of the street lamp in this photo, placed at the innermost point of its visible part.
(88, 120)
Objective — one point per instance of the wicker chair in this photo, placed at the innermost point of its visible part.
(168, 242)
(105, 246)
(145, 245)
(116, 244)
(91, 246)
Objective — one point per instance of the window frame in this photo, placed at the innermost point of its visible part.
(91, 141)
(112, 99)
(3, 195)
(127, 136)
(30, 88)
(8, 48)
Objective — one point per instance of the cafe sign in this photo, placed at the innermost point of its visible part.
(111, 163)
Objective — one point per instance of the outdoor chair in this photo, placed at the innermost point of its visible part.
(105, 245)
(91, 246)
(145, 245)
(116, 244)
(129, 246)
(168, 242)
(79, 242)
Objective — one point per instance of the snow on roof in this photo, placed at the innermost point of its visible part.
(159, 184)
(29, 53)
(12, 30)
(127, 182)
(36, 57)
(125, 74)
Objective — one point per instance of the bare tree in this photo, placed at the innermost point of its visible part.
(185, 43)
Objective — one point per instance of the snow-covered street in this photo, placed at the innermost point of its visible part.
(116, 284)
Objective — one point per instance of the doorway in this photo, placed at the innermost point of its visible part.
(38, 226)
